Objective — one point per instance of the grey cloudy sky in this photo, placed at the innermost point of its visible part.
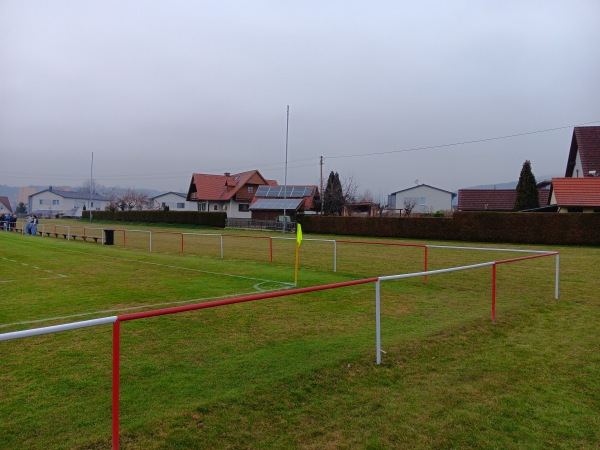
(161, 89)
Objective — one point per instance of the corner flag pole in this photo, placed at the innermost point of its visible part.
(298, 242)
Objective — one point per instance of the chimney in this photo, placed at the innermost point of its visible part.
(49, 188)
(227, 174)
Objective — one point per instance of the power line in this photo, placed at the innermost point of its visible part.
(475, 141)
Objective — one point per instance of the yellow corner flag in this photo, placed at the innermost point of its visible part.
(298, 234)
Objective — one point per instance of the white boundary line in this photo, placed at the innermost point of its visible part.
(34, 267)
(257, 287)
(132, 308)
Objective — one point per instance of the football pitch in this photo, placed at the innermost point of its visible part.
(296, 371)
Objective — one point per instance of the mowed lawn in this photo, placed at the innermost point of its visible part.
(297, 371)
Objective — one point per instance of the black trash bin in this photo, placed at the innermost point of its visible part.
(109, 237)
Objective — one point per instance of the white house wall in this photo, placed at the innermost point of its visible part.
(578, 169)
(428, 199)
(175, 203)
(233, 210)
(51, 201)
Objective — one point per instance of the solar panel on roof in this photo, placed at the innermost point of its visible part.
(276, 204)
(282, 191)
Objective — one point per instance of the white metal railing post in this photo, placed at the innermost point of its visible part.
(557, 276)
(221, 246)
(378, 319)
(334, 256)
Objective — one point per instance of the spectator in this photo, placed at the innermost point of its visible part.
(29, 223)
(34, 225)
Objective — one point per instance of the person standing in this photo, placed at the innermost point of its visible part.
(29, 223)
(34, 225)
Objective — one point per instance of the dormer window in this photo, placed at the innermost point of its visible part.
(250, 189)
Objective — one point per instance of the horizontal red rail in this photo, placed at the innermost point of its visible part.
(248, 298)
(522, 258)
(246, 236)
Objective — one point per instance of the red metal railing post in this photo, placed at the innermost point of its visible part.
(116, 383)
(425, 257)
(494, 292)
(124, 238)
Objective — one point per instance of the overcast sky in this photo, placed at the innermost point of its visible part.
(158, 90)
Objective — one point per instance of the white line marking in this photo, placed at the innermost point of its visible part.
(33, 267)
(133, 308)
(257, 287)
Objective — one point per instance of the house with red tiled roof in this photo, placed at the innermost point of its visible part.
(272, 202)
(584, 154)
(229, 193)
(493, 199)
(576, 194)
(5, 205)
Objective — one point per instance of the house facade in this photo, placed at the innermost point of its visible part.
(426, 199)
(5, 205)
(51, 202)
(584, 154)
(175, 201)
(229, 193)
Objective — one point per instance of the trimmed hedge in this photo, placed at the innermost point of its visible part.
(212, 219)
(518, 228)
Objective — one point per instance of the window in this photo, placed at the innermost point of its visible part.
(55, 202)
(215, 207)
(202, 206)
(163, 204)
(41, 201)
(92, 204)
(180, 205)
(250, 189)
(423, 203)
(243, 207)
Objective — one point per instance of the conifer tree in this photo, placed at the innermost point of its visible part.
(333, 198)
(527, 193)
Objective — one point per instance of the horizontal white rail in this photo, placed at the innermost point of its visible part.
(433, 272)
(57, 328)
(489, 249)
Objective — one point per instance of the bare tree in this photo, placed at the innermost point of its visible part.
(91, 186)
(366, 197)
(128, 200)
(409, 205)
(349, 189)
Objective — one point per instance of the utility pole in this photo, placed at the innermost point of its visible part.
(287, 128)
(322, 193)
(91, 186)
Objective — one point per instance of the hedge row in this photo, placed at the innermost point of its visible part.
(212, 219)
(519, 228)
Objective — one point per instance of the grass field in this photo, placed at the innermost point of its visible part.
(299, 371)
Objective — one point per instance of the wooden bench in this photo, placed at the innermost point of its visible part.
(85, 238)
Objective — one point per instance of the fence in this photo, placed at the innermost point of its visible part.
(253, 224)
(116, 320)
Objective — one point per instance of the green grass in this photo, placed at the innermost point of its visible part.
(297, 372)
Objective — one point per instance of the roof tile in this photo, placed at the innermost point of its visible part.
(576, 191)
